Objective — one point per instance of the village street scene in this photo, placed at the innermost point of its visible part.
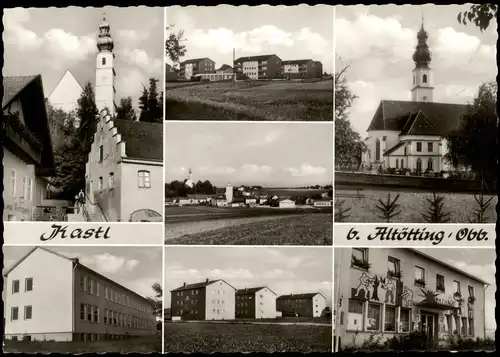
(248, 183)
(258, 63)
(84, 122)
(253, 299)
(415, 114)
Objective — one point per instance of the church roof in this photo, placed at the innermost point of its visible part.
(396, 115)
(143, 140)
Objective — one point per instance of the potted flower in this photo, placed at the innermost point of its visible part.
(420, 282)
(472, 300)
(394, 274)
(360, 263)
(457, 295)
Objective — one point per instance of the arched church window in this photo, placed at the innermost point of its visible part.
(424, 78)
(419, 164)
(397, 164)
(377, 150)
(430, 164)
(104, 61)
(402, 164)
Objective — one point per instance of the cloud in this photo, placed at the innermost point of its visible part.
(251, 170)
(134, 36)
(131, 82)
(218, 170)
(141, 59)
(68, 45)
(268, 138)
(108, 263)
(306, 170)
(313, 42)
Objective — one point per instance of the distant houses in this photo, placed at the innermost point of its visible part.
(192, 67)
(219, 300)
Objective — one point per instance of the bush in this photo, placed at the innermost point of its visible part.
(414, 341)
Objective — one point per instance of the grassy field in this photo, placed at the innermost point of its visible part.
(225, 338)
(139, 345)
(251, 100)
(412, 205)
(304, 229)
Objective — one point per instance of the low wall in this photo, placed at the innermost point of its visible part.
(426, 183)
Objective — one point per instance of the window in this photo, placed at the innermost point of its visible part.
(404, 320)
(144, 179)
(397, 164)
(413, 79)
(101, 153)
(424, 78)
(82, 311)
(464, 326)
(373, 317)
(23, 192)
(100, 183)
(390, 319)
(471, 327)
(419, 164)
(419, 146)
(28, 284)
(402, 162)
(393, 268)
(106, 293)
(105, 316)
(13, 181)
(419, 276)
(15, 286)
(14, 315)
(359, 258)
(90, 286)
(430, 147)
(28, 310)
(471, 290)
(440, 283)
(449, 323)
(29, 193)
(97, 288)
(103, 61)
(377, 150)
(89, 312)
(430, 164)
(83, 282)
(96, 314)
(456, 286)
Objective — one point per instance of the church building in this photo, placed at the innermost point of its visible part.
(66, 93)
(411, 135)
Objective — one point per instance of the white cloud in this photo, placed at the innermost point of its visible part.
(269, 137)
(314, 42)
(306, 170)
(218, 170)
(131, 82)
(134, 36)
(16, 34)
(69, 46)
(252, 170)
(108, 263)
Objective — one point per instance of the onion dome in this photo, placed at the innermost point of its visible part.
(104, 41)
(422, 55)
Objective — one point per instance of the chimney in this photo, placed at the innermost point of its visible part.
(206, 281)
(184, 285)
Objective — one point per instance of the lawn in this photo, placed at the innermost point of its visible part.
(138, 345)
(226, 338)
(251, 100)
(412, 204)
(303, 229)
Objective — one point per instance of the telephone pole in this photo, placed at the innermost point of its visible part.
(234, 74)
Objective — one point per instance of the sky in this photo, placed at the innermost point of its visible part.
(284, 270)
(477, 262)
(265, 154)
(136, 268)
(65, 38)
(293, 32)
(378, 42)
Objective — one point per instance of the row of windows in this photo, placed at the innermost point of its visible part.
(143, 180)
(26, 189)
(360, 260)
(195, 292)
(28, 285)
(430, 147)
(28, 313)
(92, 287)
(90, 313)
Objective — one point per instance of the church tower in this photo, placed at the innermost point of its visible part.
(423, 89)
(105, 72)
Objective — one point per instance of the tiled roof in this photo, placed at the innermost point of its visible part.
(143, 140)
(224, 67)
(254, 58)
(196, 285)
(418, 124)
(394, 115)
(195, 60)
(304, 61)
(249, 290)
(298, 296)
(12, 86)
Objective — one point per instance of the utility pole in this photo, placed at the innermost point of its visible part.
(234, 74)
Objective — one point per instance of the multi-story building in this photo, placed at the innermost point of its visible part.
(28, 159)
(319, 69)
(302, 305)
(171, 73)
(196, 66)
(296, 69)
(256, 303)
(124, 172)
(258, 67)
(208, 300)
(80, 304)
(395, 291)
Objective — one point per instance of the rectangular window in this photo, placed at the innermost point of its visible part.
(390, 319)
(91, 286)
(373, 317)
(359, 258)
(440, 283)
(97, 288)
(14, 314)
(393, 267)
(15, 286)
(96, 314)
(419, 276)
(82, 311)
(111, 181)
(449, 323)
(28, 284)
(471, 327)
(13, 182)
(456, 286)
(419, 147)
(471, 290)
(106, 292)
(355, 316)
(29, 193)
(100, 183)
(464, 326)
(430, 147)
(144, 178)
(101, 153)
(83, 282)
(404, 323)
(23, 188)
(105, 316)
(28, 310)
(89, 313)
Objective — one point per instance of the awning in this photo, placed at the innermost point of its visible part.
(436, 305)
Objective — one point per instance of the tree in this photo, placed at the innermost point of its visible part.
(348, 142)
(143, 104)
(478, 14)
(472, 144)
(174, 48)
(149, 103)
(125, 110)
(87, 115)
(62, 125)
(157, 301)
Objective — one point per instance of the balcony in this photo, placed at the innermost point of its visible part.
(22, 137)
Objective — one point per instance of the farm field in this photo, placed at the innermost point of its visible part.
(301, 229)
(138, 345)
(251, 100)
(412, 204)
(227, 337)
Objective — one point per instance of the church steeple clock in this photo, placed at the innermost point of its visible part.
(105, 72)
(423, 89)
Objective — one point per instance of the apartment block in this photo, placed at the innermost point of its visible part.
(52, 297)
(256, 303)
(302, 305)
(196, 66)
(258, 67)
(395, 291)
(296, 69)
